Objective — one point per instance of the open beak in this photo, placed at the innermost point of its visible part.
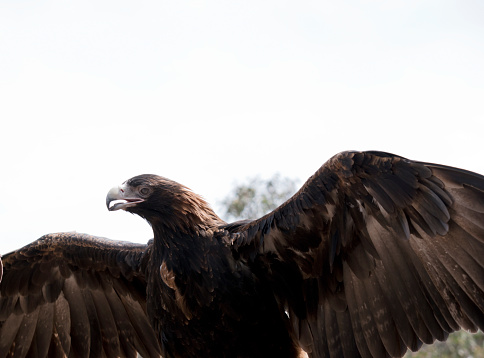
(121, 197)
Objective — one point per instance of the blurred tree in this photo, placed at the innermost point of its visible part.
(258, 197)
(460, 344)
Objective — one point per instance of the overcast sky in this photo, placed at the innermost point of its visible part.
(209, 93)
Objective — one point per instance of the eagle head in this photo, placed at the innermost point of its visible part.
(160, 201)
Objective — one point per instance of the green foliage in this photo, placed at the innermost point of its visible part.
(460, 344)
(258, 197)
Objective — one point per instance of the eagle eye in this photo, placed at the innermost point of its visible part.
(144, 191)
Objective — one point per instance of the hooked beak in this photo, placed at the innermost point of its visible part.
(121, 197)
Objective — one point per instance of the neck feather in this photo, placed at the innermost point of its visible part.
(189, 219)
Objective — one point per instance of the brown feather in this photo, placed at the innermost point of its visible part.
(409, 236)
(374, 254)
(60, 287)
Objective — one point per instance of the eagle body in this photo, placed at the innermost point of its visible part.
(203, 298)
(203, 302)
(375, 255)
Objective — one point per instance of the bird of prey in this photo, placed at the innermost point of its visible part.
(374, 255)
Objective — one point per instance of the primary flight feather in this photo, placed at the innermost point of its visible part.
(375, 254)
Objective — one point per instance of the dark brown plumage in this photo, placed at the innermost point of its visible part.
(374, 254)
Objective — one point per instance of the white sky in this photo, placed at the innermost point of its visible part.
(212, 92)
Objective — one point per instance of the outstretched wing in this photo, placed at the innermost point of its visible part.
(374, 254)
(71, 294)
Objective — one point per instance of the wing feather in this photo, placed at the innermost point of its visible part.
(353, 310)
(361, 306)
(9, 331)
(62, 326)
(43, 330)
(332, 332)
(383, 317)
(71, 294)
(109, 331)
(25, 334)
(83, 320)
(127, 334)
(145, 339)
(395, 246)
(348, 346)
